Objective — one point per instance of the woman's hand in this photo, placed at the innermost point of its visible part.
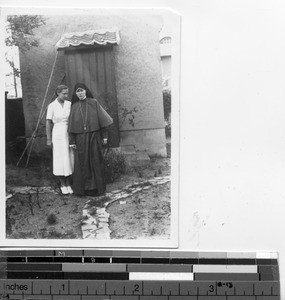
(105, 141)
(73, 146)
(49, 142)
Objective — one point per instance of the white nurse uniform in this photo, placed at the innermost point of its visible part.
(62, 153)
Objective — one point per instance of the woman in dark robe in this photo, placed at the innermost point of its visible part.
(87, 133)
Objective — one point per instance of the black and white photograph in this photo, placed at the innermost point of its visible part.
(91, 126)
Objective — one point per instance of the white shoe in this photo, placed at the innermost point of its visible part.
(64, 190)
(69, 189)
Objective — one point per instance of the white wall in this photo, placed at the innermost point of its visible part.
(232, 183)
(233, 127)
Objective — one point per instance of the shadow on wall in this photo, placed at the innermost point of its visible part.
(14, 128)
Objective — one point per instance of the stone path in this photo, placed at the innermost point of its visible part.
(95, 219)
(95, 223)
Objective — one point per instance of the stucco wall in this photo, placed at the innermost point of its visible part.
(166, 66)
(137, 70)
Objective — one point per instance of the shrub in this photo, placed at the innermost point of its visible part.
(127, 114)
(115, 165)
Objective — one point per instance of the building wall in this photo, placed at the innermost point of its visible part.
(137, 71)
(166, 66)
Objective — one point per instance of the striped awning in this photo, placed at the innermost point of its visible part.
(91, 37)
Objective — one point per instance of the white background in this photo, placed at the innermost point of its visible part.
(232, 150)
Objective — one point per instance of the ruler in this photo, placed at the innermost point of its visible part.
(93, 274)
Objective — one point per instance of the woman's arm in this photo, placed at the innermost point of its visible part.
(104, 135)
(48, 131)
(72, 140)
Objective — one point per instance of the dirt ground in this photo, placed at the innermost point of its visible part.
(54, 216)
(147, 214)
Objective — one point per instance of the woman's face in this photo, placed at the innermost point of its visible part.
(63, 95)
(81, 93)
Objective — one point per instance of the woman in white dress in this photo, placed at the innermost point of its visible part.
(57, 137)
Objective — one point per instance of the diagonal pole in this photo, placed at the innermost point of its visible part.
(41, 115)
(39, 119)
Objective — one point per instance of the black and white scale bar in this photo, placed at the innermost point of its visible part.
(141, 260)
(5, 256)
(65, 275)
(151, 275)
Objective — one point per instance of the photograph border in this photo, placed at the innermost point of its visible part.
(175, 136)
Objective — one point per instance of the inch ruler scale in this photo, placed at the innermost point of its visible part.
(93, 274)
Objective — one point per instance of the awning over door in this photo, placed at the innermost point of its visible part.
(100, 37)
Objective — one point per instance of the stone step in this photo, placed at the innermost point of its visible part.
(143, 158)
(135, 158)
(128, 149)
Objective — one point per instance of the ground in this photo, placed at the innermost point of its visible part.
(35, 213)
(147, 214)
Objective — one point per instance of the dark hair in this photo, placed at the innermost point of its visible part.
(59, 89)
(82, 86)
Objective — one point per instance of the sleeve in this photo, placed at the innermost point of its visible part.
(49, 112)
(71, 138)
(104, 133)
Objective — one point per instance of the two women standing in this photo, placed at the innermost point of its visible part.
(87, 132)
